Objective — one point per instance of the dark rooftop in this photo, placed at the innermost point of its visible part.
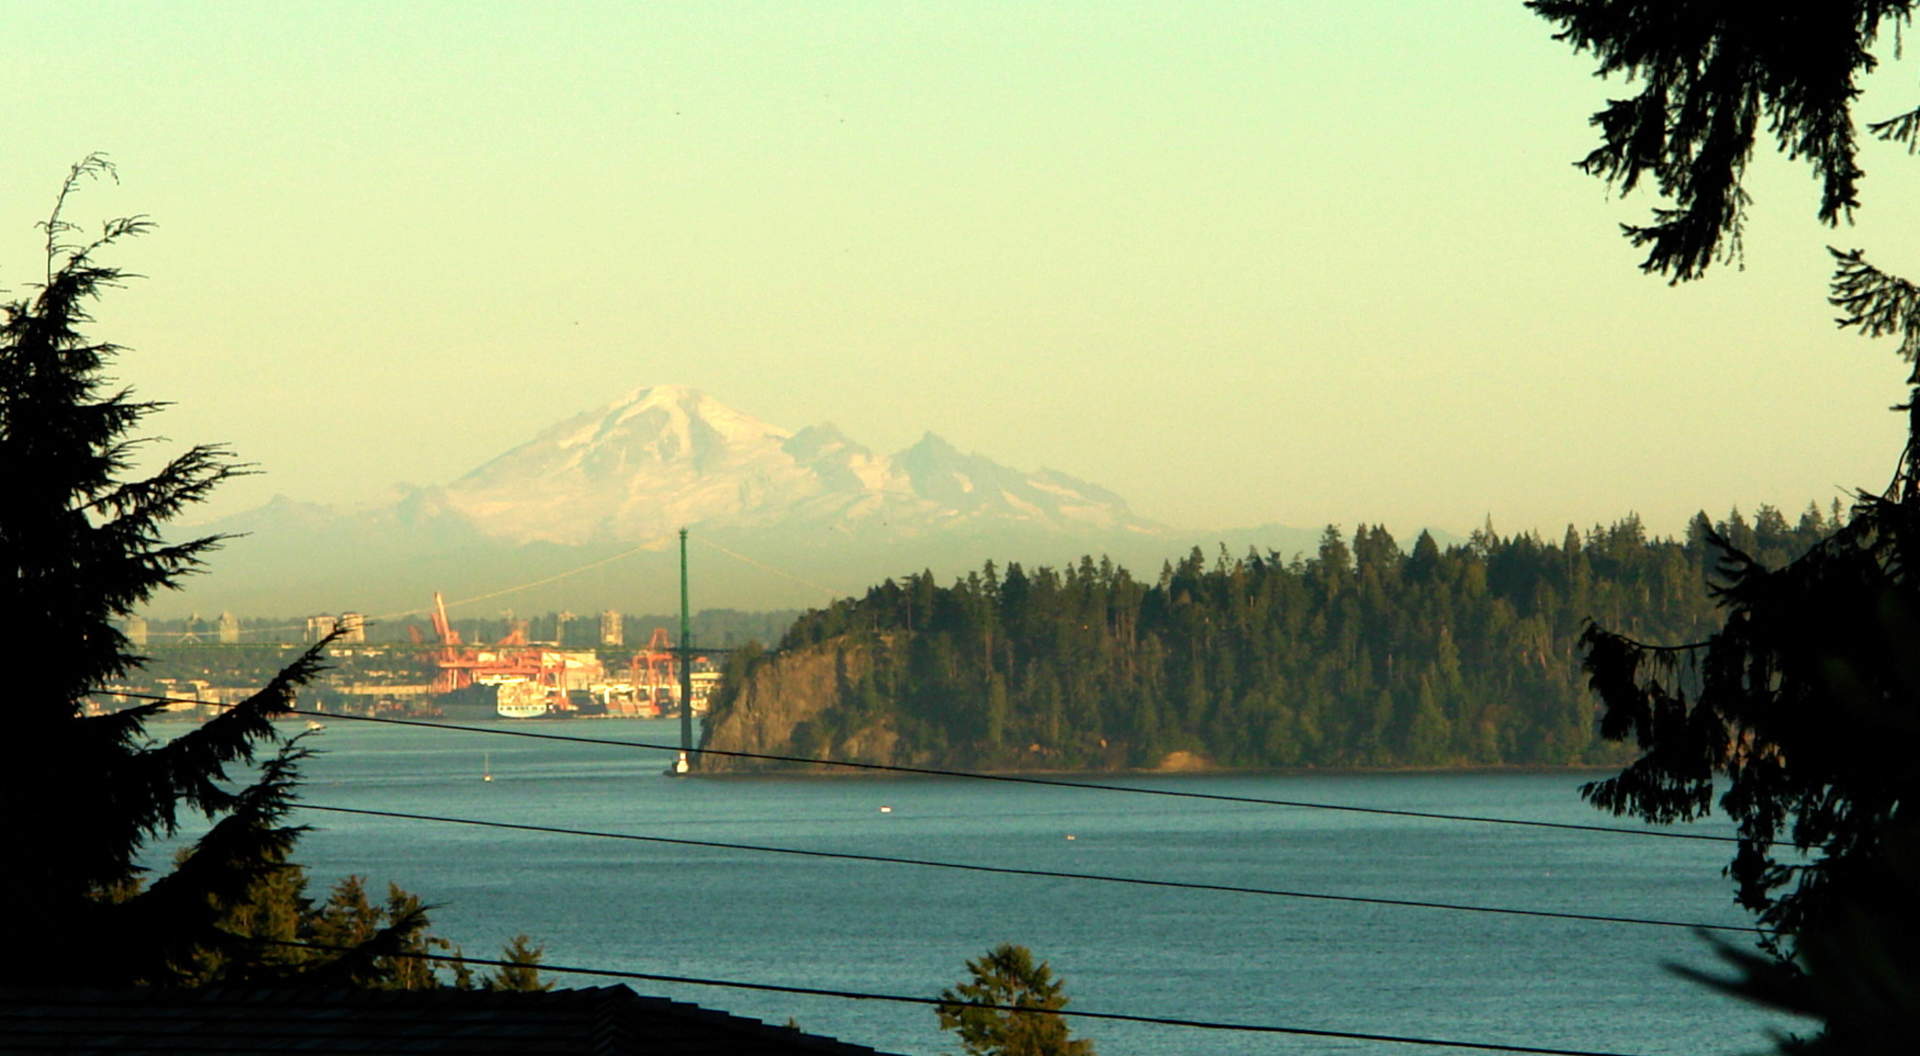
(601, 1021)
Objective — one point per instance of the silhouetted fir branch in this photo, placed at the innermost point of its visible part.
(1875, 303)
(1804, 709)
(1710, 74)
(1903, 128)
(1855, 968)
(82, 796)
(1806, 703)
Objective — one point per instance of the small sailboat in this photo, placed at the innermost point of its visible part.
(486, 766)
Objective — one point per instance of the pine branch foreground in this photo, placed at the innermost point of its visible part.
(1803, 708)
(82, 795)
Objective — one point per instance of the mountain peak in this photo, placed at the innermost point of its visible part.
(667, 455)
(660, 396)
(666, 421)
(930, 449)
(823, 440)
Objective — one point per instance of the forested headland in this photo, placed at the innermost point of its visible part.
(1362, 655)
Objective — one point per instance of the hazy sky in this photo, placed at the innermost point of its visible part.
(1279, 261)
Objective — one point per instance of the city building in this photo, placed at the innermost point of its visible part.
(320, 626)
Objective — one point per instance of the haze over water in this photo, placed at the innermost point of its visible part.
(1188, 954)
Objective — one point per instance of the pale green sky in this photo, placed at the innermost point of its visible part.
(1284, 261)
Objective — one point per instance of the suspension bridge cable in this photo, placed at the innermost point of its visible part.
(651, 544)
(1016, 871)
(656, 544)
(764, 567)
(912, 999)
(1020, 779)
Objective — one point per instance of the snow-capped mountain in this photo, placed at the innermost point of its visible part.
(817, 514)
(666, 456)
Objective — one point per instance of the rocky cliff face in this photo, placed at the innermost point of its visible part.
(787, 706)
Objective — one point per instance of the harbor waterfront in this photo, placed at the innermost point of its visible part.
(1219, 956)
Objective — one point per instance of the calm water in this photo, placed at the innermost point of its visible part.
(1191, 954)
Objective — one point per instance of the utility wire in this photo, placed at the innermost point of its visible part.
(974, 775)
(1018, 779)
(1016, 871)
(910, 999)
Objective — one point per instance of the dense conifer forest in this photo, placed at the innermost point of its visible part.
(1362, 655)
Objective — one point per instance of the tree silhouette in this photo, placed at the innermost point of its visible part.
(1710, 72)
(1805, 703)
(1008, 976)
(82, 794)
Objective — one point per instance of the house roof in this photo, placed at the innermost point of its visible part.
(231, 1021)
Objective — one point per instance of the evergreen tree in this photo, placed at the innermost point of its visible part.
(1008, 976)
(1803, 703)
(81, 794)
(522, 970)
(1251, 661)
(1426, 558)
(1711, 74)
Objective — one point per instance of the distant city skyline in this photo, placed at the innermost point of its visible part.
(1297, 263)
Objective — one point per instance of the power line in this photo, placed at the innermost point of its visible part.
(1019, 779)
(1137, 881)
(1016, 871)
(863, 995)
(974, 775)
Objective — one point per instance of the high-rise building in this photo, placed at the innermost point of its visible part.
(229, 628)
(353, 627)
(136, 631)
(610, 628)
(320, 626)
